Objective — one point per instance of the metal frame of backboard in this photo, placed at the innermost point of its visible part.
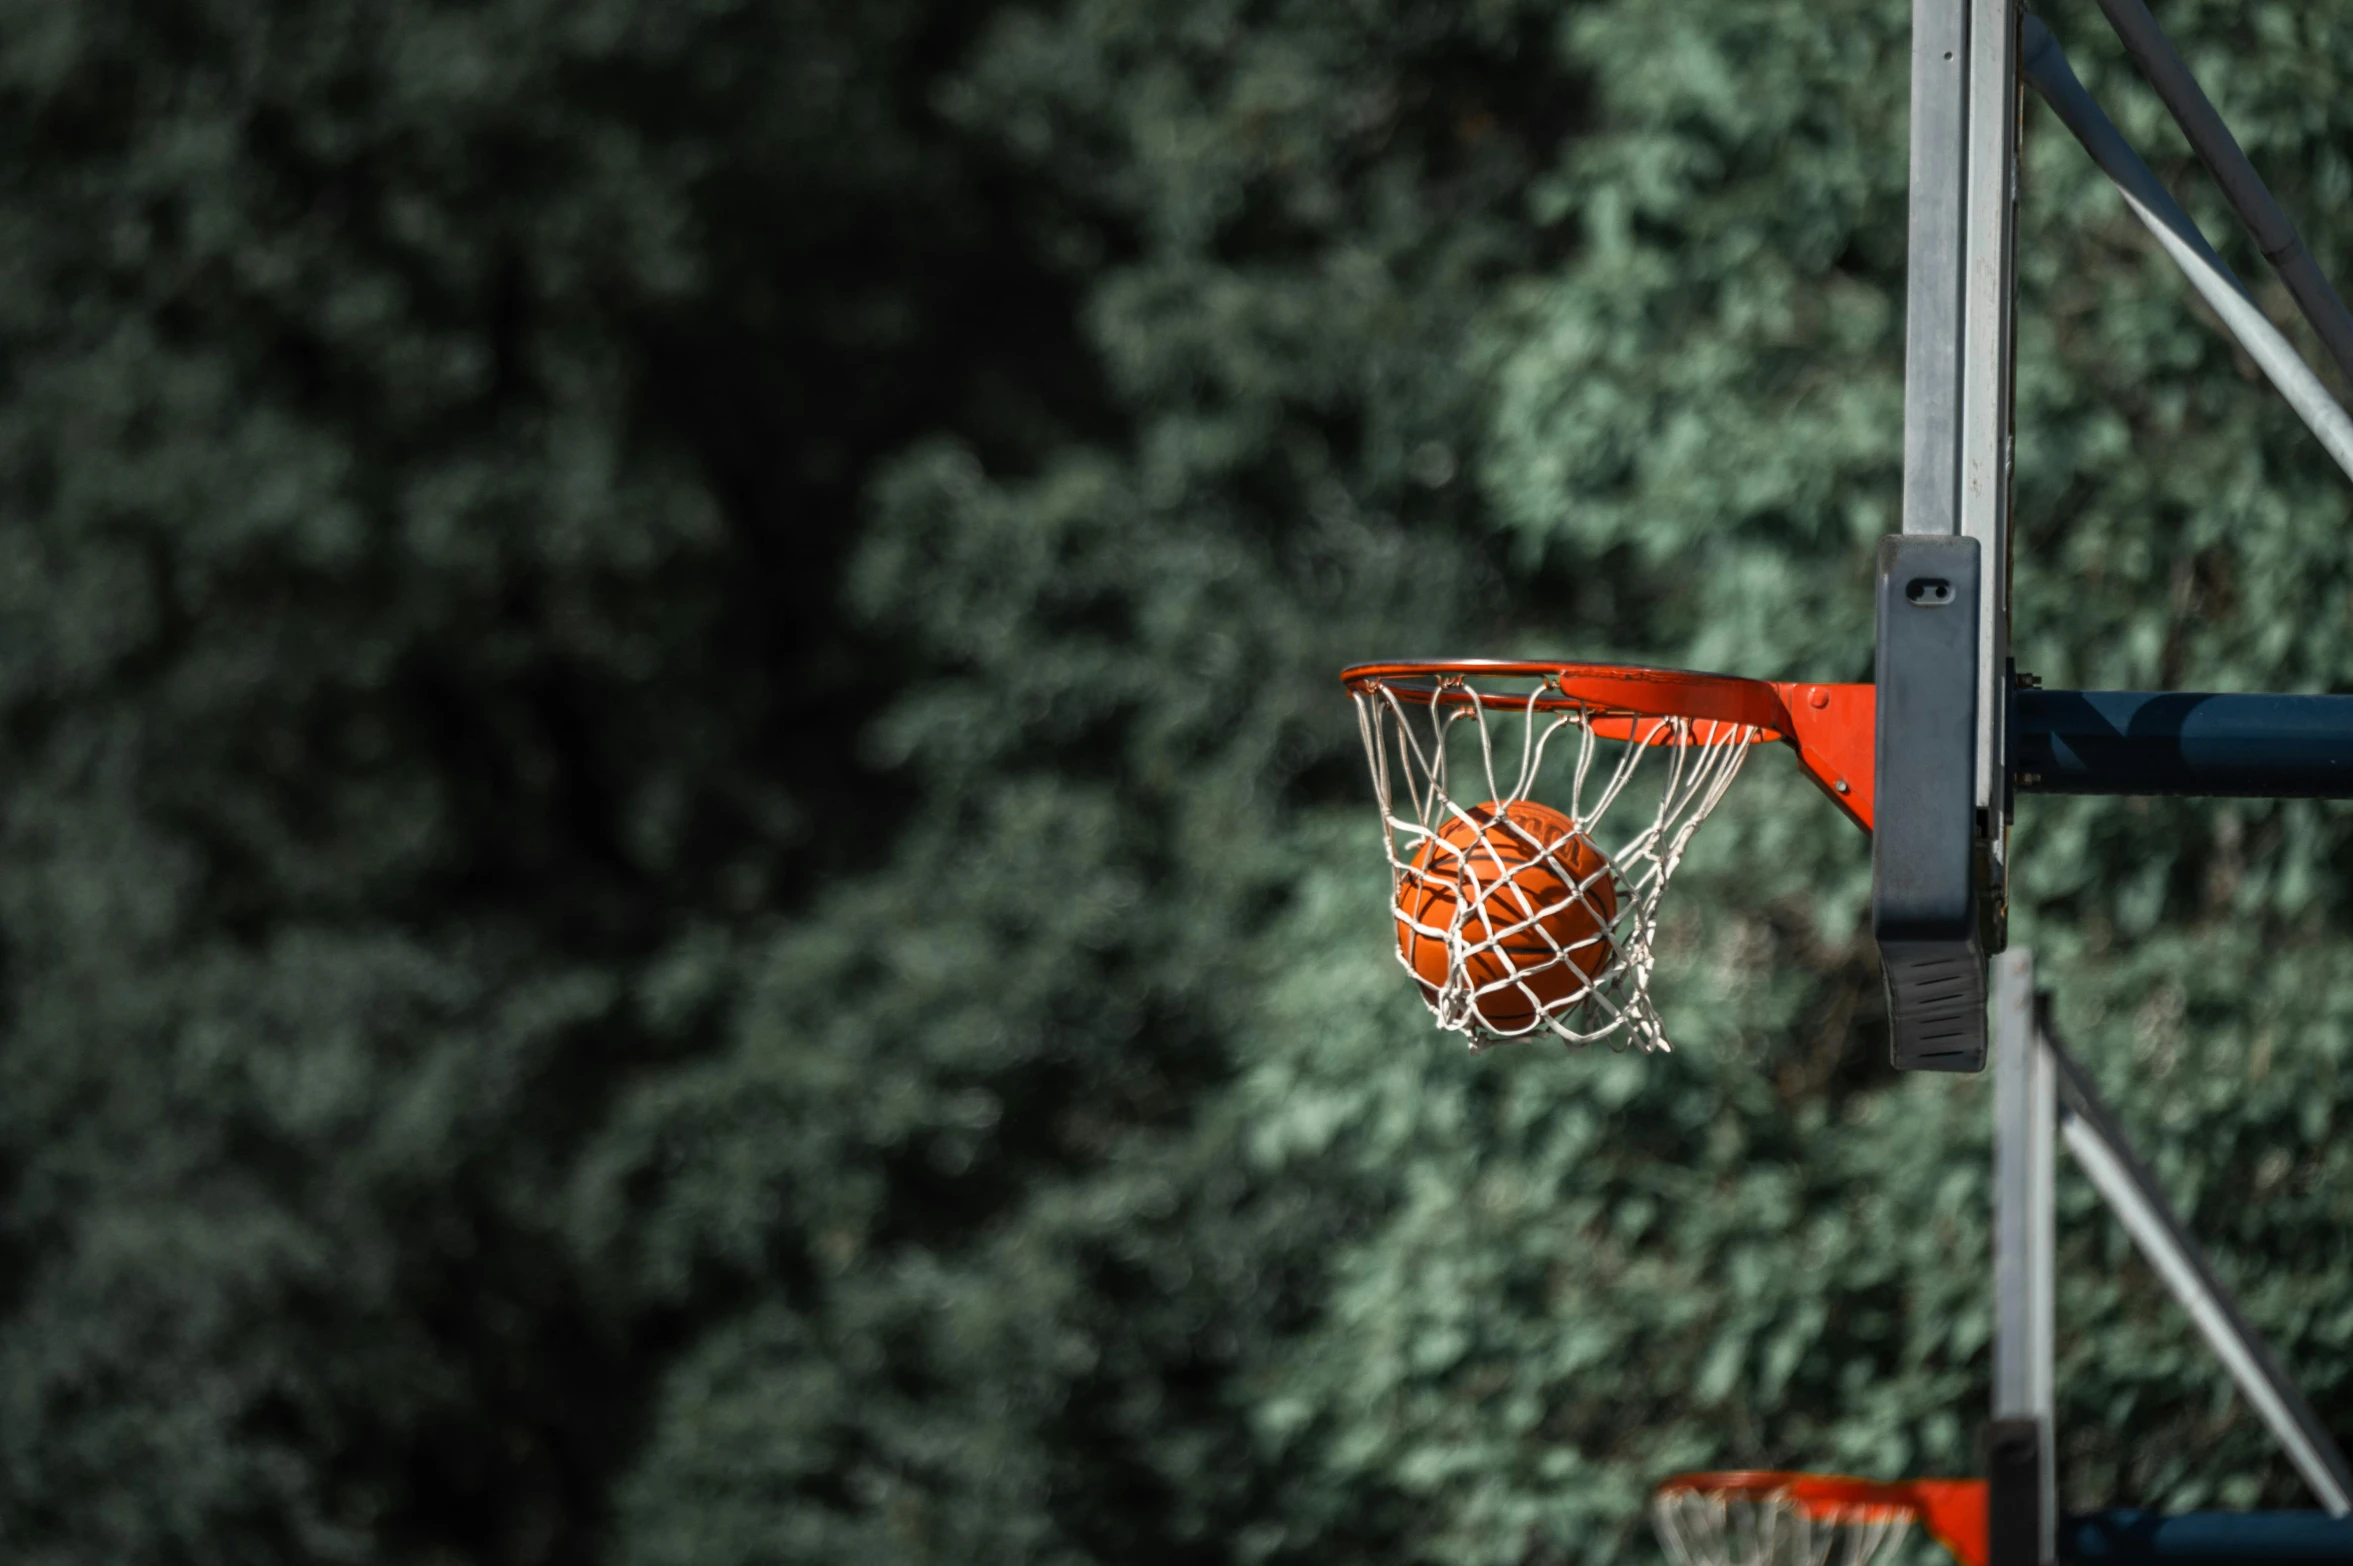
(1941, 916)
(1938, 921)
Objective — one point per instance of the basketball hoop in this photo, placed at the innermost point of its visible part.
(1784, 1519)
(1514, 914)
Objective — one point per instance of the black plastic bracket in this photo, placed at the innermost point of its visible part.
(1924, 874)
(2017, 1533)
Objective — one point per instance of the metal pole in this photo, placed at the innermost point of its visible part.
(2183, 742)
(2022, 1497)
(1936, 255)
(2137, 1538)
(2153, 52)
(2047, 71)
(1989, 289)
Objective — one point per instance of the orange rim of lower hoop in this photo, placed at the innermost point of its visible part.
(1953, 1511)
(1832, 727)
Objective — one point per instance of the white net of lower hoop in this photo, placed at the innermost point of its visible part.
(1530, 840)
(1704, 1528)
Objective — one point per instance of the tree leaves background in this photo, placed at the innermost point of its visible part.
(684, 880)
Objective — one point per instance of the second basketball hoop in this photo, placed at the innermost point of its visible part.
(1535, 812)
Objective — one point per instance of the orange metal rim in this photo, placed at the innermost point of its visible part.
(1619, 689)
(1735, 1484)
(1819, 1494)
(1833, 727)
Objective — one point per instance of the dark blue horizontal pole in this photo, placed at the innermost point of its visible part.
(2215, 1537)
(2182, 742)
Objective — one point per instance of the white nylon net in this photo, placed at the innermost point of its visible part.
(1519, 911)
(1707, 1528)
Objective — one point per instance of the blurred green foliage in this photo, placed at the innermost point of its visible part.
(683, 880)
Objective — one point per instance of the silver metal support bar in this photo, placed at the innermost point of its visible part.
(1934, 262)
(2025, 1150)
(1988, 299)
(2047, 71)
(2153, 52)
(2132, 1194)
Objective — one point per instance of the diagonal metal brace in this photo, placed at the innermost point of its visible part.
(2101, 1149)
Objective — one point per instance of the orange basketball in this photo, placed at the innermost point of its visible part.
(1518, 868)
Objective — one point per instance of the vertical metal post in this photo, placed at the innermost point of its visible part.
(1934, 263)
(1987, 380)
(2022, 1500)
